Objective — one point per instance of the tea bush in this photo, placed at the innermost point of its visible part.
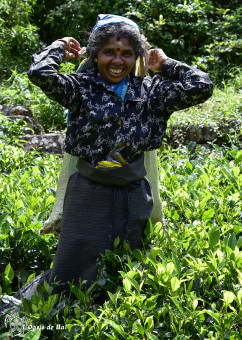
(221, 114)
(18, 90)
(27, 193)
(185, 284)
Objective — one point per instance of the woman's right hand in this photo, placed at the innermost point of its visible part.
(71, 47)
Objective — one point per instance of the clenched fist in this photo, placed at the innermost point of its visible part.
(156, 58)
(71, 47)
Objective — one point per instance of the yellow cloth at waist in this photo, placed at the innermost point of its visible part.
(108, 164)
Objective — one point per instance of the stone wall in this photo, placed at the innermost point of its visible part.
(36, 138)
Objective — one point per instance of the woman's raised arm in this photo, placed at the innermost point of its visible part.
(43, 72)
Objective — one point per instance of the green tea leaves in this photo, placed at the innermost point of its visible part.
(127, 284)
(208, 214)
(175, 284)
(32, 335)
(9, 273)
(184, 283)
(214, 238)
(232, 241)
(117, 327)
(228, 297)
(238, 158)
(177, 264)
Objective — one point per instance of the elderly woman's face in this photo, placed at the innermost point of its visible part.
(116, 59)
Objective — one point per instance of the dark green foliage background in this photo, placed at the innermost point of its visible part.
(203, 32)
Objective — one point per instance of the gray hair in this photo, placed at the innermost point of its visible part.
(98, 39)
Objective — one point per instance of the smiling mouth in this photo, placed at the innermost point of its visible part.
(116, 71)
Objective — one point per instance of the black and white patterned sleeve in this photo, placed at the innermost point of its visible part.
(43, 72)
(184, 86)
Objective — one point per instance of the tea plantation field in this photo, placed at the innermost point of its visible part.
(185, 284)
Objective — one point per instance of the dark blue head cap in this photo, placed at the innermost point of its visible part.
(110, 19)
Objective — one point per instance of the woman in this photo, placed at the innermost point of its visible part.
(115, 117)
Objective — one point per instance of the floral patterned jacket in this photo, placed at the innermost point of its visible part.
(98, 114)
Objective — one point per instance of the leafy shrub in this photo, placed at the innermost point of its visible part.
(206, 33)
(185, 283)
(27, 192)
(72, 18)
(18, 90)
(19, 38)
(10, 131)
(202, 32)
(221, 113)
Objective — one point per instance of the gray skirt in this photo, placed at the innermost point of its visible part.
(100, 204)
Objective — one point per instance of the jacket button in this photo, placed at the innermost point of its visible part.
(128, 144)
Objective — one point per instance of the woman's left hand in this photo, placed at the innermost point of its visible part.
(156, 58)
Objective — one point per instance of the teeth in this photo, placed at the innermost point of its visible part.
(116, 71)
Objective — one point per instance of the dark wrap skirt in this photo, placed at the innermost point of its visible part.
(100, 204)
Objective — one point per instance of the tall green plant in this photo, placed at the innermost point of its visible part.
(19, 37)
